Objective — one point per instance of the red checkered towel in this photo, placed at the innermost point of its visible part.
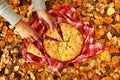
(63, 14)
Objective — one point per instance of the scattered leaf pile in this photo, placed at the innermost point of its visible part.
(104, 15)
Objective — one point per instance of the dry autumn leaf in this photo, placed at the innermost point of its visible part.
(110, 11)
(2, 43)
(98, 21)
(117, 26)
(117, 18)
(109, 35)
(9, 36)
(114, 49)
(117, 4)
(118, 41)
(117, 69)
(79, 2)
(105, 55)
(108, 20)
(115, 59)
(56, 6)
(107, 78)
(99, 33)
(4, 30)
(96, 78)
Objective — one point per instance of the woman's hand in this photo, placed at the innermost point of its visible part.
(45, 16)
(26, 31)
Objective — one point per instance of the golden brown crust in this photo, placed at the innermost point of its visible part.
(54, 34)
(69, 48)
(33, 49)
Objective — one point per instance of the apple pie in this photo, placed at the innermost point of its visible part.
(64, 48)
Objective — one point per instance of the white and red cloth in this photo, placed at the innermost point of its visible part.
(63, 14)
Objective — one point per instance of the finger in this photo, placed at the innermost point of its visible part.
(51, 28)
(49, 25)
(52, 25)
(22, 37)
(55, 23)
(31, 39)
(36, 37)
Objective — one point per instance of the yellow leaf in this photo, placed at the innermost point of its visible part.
(105, 55)
(117, 26)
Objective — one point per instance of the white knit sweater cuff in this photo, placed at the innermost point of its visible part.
(7, 12)
(38, 5)
(10, 16)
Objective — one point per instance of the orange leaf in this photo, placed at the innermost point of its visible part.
(79, 2)
(10, 36)
(105, 55)
(33, 66)
(97, 21)
(108, 20)
(96, 78)
(76, 65)
(107, 78)
(117, 4)
(108, 43)
(117, 26)
(4, 29)
(114, 49)
(2, 43)
(78, 11)
(36, 66)
(99, 33)
(56, 6)
(28, 66)
(102, 41)
(83, 74)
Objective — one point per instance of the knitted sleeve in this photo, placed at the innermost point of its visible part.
(7, 12)
(39, 5)
(12, 17)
